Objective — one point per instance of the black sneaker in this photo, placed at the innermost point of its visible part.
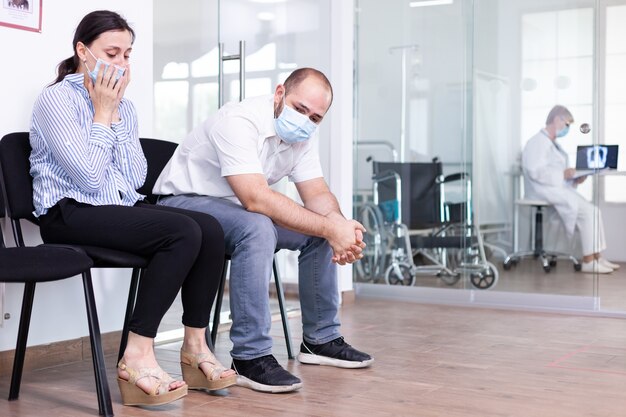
(334, 353)
(264, 374)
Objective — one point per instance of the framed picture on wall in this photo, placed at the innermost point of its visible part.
(21, 14)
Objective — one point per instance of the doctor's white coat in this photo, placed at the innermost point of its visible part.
(543, 163)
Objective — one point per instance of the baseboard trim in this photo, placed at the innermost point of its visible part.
(59, 353)
(75, 350)
(348, 297)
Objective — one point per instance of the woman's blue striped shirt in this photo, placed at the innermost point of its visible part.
(76, 158)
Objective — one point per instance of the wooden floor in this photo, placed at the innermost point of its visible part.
(430, 361)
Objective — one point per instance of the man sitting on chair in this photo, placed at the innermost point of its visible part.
(225, 167)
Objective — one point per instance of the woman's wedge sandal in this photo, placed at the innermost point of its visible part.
(197, 379)
(160, 392)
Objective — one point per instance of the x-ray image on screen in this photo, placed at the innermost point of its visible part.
(596, 157)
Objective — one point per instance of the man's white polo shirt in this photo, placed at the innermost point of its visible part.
(239, 139)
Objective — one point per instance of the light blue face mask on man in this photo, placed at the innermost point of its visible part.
(99, 64)
(293, 127)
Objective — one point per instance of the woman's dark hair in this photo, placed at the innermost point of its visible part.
(89, 29)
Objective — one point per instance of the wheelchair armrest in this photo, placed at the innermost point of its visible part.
(454, 177)
(385, 175)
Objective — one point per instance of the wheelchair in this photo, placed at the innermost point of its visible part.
(411, 218)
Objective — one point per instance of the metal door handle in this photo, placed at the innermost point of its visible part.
(241, 56)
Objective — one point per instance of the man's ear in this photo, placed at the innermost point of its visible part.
(279, 94)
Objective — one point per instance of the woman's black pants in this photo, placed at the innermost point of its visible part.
(185, 249)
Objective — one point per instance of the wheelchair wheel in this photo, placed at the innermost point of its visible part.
(399, 274)
(486, 278)
(371, 217)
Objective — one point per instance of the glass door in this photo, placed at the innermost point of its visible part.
(196, 60)
(530, 56)
(471, 82)
(413, 161)
(185, 65)
(275, 36)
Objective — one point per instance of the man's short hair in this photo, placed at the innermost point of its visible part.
(295, 78)
(557, 111)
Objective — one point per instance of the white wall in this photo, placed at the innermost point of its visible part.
(59, 311)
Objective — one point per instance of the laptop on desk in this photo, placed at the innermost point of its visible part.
(594, 159)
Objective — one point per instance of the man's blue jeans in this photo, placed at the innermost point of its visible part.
(251, 239)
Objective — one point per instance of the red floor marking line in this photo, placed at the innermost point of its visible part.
(599, 371)
(569, 355)
(557, 362)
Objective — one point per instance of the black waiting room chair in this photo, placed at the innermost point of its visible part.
(14, 159)
(15, 167)
(45, 263)
(281, 304)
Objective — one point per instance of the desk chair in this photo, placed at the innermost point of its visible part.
(47, 263)
(548, 258)
(158, 153)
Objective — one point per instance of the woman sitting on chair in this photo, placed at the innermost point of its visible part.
(86, 164)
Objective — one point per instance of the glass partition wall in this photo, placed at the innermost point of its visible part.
(469, 83)
(413, 131)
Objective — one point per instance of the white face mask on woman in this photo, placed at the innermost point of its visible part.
(101, 62)
(292, 126)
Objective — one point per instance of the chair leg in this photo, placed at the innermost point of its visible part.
(105, 407)
(211, 337)
(22, 338)
(283, 312)
(538, 232)
(130, 306)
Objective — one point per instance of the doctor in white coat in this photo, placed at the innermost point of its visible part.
(548, 177)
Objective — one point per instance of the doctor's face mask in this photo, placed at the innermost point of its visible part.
(562, 132)
(565, 130)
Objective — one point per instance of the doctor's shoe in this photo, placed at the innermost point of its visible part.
(334, 353)
(607, 263)
(595, 267)
(264, 374)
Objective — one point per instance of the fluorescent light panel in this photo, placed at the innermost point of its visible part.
(430, 3)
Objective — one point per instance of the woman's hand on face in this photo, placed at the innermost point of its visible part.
(126, 80)
(106, 94)
(122, 83)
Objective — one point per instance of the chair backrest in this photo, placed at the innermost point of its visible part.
(2, 213)
(2, 208)
(158, 153)
(421, 192)
(15, 172)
